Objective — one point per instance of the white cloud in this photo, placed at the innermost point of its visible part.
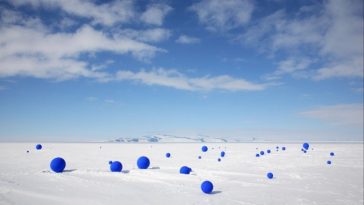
(155, 14)
(224, 15)
(175, 79)
(183, 39)
(28, 48)
(119, 11)
(338, 115)
(148, 35)
(290, 66)
(321, 31)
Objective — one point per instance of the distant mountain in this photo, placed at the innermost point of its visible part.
(166, 139)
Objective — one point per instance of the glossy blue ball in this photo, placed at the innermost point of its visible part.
(270, 175)
(204, 148)
(58, 164)
(222, 154)
(199, 157)
(268, 151)
(143, 162)
(185, 170)
(283, 148)
(306, 146)
(219, 160)
(332, 154)
(207, 187)
(110, 162)
(261, 152)
(168, 155)
(257, 155)
(38, 146)
(116, 166)
(328, 162)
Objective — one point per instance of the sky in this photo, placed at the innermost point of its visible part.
(92, 70)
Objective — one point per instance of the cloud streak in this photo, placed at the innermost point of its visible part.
(177, 80)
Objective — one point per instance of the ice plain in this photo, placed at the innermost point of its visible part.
(240, 177)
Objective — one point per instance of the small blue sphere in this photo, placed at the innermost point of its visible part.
(199, 157)
(27, 151)
(328, 162)
(332, 154)
(38, 146)
(306, 146)
(116, 166)
(207, 187)
(143, 162)
(257, 155)
(110, 162)
(204, 148)
(58, 164)
(168, 155)
(261, 152)
(219, 160)
(185, 170)
(222, 154)
(283, 148)
(270, 175)
(268, 151)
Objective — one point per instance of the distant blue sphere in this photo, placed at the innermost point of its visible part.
(143, 162)
(332, 154)
(204, 148)
(268, 151)
(270, 175)
(116, 166)
(219, 160)
(261, 152)
(257, 155)
(168, 155)
(38, 146)
(199, 157)
(306, 146)
(277, 147)
(185, 170)
(304, 151)
(27, 151)
(207, 187)
(222, 154)
(328, 162)
(283, 148)
(110, 162)
(58, 164)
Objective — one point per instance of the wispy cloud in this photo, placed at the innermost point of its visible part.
(224, 15)
(338, 115)
(184, 39)
(177, 80)
(155, 14)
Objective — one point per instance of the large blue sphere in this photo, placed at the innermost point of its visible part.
(168, 155)
(306, 145)
(185, 170)
(58, 164)
(207, 187)
(270, 175)
(116, 166)
(143, 162)
(38, 147)
(204, 148)
(222, 154)
(261, 152)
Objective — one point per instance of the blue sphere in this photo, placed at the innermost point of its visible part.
(58, 164)
(261, 152)
(328, 162)
(185, 170)
(257, 155)
(219, 160)
(143, 162)
(332, 154)
(168, 155)
(116, 166)
(306, 146)
(199, 157)
(283, 148)
(222, 154)
(110, 162)
(268, 151)
(204, 148)
(38, 146)
(270, 175)
(27, 151)
(207, 187)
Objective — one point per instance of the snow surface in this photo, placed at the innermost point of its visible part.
(240, 178)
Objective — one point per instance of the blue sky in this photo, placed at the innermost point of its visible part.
(98, 70)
